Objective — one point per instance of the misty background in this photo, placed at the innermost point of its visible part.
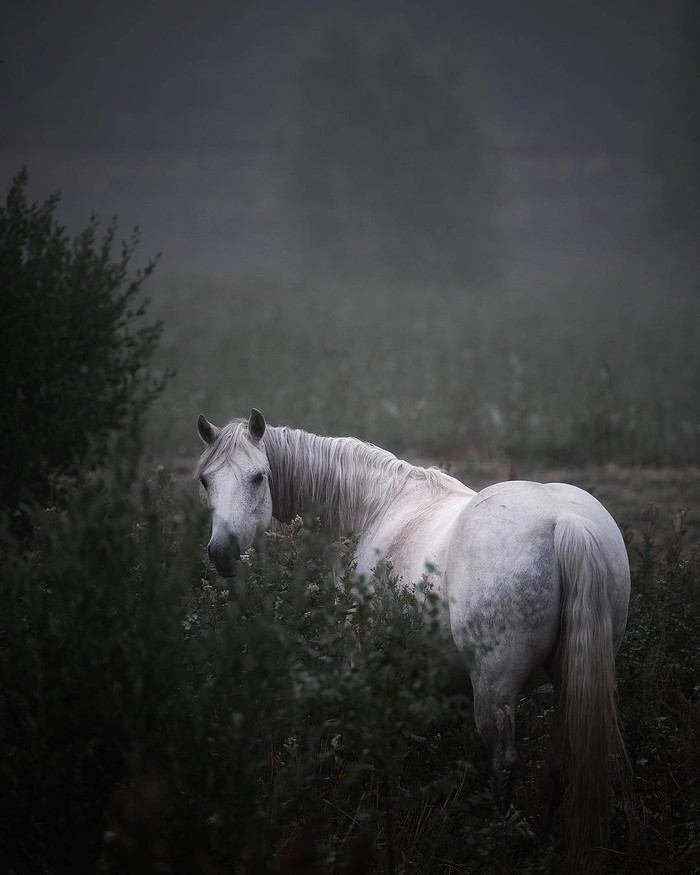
(432, 225)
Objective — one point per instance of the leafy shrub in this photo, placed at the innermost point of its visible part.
(151, 720)
(73, 349)
(90, 662)
(660, 698)
(295, 720)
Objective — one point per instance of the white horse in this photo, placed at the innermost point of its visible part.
(533, 576)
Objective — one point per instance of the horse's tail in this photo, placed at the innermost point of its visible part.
(592, 750)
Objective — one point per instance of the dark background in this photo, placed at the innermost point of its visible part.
(171, 114)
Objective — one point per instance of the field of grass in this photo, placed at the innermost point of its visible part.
(153, 719)
(582, 371)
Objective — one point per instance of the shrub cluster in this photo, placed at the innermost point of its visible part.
(660, 698)
(297, 720)
(74, 349)
(153, 721)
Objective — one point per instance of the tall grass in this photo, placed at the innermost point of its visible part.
(153, 720)
(578, 372)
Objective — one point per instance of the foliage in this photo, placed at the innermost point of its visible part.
(660, 698)
(295, 720)
(150, 719)
(73, 347)
(90, 662)
(386, 157)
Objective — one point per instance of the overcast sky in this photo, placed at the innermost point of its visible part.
(557, 75)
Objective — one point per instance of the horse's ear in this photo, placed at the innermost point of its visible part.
(208, 432)
(256, 424)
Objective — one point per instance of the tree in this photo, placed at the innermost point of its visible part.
(387, 162)
(74, 349)
(673, 153)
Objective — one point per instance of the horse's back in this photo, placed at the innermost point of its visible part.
(504, 582)
(518, 510)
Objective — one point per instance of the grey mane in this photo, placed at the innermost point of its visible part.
(346, 481)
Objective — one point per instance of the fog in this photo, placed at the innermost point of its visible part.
(465, 231)
(184, 118)
(397, 188)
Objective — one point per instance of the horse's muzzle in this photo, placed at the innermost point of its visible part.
(224, 554)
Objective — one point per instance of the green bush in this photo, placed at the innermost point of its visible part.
(151, 721)
(89, 657)
(74, 350)
(295, 720)
(660, 698)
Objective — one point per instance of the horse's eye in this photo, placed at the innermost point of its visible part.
(203, 481)
(258, 478)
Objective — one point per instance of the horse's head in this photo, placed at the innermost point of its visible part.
(235, 474)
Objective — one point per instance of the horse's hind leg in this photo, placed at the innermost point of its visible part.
(494, 713)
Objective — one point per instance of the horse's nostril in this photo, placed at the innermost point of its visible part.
(224, 555)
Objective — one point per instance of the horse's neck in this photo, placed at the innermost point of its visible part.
(348, 483)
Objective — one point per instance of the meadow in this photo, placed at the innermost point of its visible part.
(566, 370)
(158, 719)
(291, 720)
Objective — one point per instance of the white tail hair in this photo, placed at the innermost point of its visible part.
(593, 752)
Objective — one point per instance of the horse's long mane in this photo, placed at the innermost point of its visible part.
(347, 481)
